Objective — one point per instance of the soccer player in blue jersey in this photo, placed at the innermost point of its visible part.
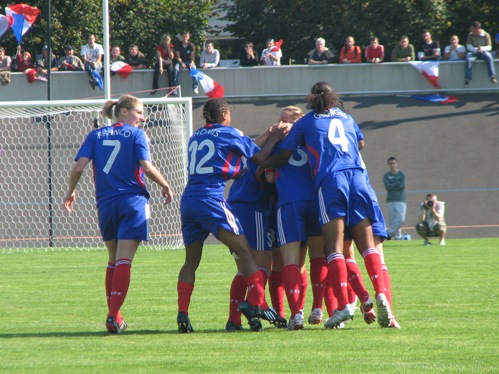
(120, 157)
(215, 155)
(298, 227)
(328, 133)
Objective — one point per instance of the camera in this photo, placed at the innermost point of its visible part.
(428, 203)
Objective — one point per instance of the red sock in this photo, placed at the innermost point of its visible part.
(276, 290)
(337, 273)
(184, 292)
(109, 279)
(318, 278)
(304, 288)
(292, 284)
(237, 294)
(330, 300)
(119, 285)
(256, 291)
(372, 261)
(355, 281)
(265, 277)
(388, 283)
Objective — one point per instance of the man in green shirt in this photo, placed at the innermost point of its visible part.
(394, 181)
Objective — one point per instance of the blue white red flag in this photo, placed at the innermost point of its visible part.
(442, 99)
(429, 69)
(211, 88)
(24, 16)
(5, 23)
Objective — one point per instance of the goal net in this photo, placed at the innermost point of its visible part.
(38, 143)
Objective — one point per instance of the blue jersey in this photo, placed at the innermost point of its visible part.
(247, 188)
(215, 156)
(296, 173)
(116, 152)
(330, 139)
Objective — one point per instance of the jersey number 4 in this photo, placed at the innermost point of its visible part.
(336, 134)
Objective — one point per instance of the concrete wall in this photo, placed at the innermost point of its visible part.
(270, 82)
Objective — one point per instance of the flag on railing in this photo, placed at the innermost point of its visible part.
(24, 16)
(121, 68)
(442, 99)
(211, 88)
(429, 69)
(5, 23)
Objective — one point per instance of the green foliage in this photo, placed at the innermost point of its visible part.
(300, 22)
(140, 22)
(53, 312)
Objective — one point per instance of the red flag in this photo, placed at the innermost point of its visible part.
(276, 46)
(24, 17)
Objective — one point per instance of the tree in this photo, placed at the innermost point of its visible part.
(140, 22)
(300, 22)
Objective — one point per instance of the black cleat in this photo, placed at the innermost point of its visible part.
(184, 323)
(231, 326)
(272, 316)
(114, 327)
(251, 314)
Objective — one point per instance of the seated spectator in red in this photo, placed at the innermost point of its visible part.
(24, 60)
(375, 52)
(249, 57)
(321, 54)
(350, 53)
(136, 59)
(164, 62)
(69, 62)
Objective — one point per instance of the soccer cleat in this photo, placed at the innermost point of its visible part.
(367, 311)
(296, 323)
(384, 311)
(272, 316)
(339, 316)
(316, 317)
(251, 314)
(231, 326)
(114, 327)
(442, 242)
(184, 323)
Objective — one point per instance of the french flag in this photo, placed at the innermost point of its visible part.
(23, 16)
(211, 88)
(5, 23)
(429, 69)
(121, 68)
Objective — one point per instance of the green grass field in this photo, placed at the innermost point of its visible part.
(53, 311)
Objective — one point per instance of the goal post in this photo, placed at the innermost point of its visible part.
(38, 143)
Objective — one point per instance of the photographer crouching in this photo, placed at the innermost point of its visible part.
(431, 219)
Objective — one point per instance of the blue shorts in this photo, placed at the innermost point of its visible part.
(202, 215)
(345, 194)
(255, 223)
(297, 222)
(126, 218)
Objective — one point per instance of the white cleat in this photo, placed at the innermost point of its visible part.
(316, 317)
(384, 311)
(296, 323)
(339, 317)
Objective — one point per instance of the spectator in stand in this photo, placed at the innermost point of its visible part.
(404, 51)
(5, 63)
(164, 61)
(69, 62)
(479, 45)
(136, 59)
(430, 49)
(185, 57)
(92, 55)
(375, 52)
(271, 56)
(454, 51)
(249, 57)
(23, 60)
(116, 55)
(42, 63)
(321, 54)
(210, 57)
(350, 53)
(5, 60)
